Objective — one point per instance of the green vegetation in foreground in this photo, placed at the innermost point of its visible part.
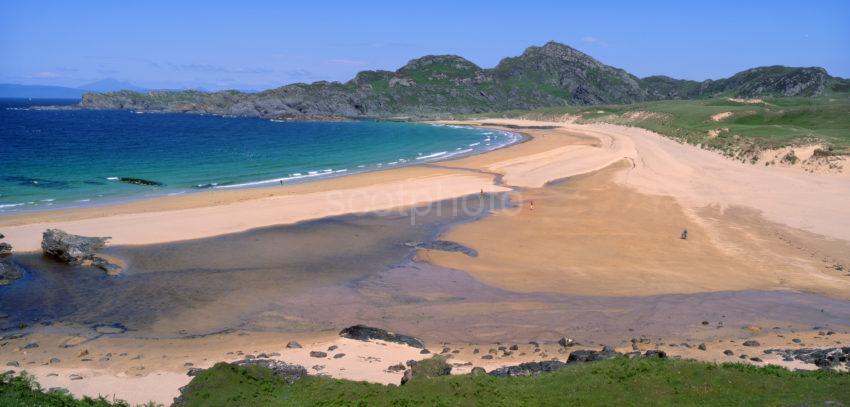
(23, 391)
(619, 381)
(752, 127)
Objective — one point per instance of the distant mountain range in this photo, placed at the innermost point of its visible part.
(8, 90)
(436, 85)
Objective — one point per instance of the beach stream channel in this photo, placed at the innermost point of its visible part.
(323, 275)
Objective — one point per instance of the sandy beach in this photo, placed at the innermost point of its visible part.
(695, 178)
(610, 203)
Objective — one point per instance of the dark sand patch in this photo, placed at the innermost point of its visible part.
(206, 285)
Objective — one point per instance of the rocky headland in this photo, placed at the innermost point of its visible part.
(442, 85)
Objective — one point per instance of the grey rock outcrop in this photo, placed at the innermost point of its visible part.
(77, 250)
(824, 358)
(71, 249)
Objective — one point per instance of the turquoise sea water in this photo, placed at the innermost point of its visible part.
(60, 158)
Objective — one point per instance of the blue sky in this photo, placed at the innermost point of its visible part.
(258, 45)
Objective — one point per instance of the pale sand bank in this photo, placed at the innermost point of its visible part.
(138, 370)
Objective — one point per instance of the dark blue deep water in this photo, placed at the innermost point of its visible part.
(53, 158)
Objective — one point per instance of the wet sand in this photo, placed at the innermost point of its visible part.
(207, 285)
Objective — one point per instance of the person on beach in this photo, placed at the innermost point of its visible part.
(684, 234)
(281, 182)
(531, 205)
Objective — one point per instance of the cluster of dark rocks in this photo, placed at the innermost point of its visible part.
(366, 333)
(824, 358)
(528, 369)
(579, 356)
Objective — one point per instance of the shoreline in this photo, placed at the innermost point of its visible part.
(357, 183)
(294, 179)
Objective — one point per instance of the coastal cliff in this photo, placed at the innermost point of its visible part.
(441, 85)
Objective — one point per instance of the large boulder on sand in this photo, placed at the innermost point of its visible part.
(365, 333)
(71, 249)
(78, 250)
(580, 356)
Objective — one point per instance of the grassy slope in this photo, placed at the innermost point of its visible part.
(777, 122)
(614, 382)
